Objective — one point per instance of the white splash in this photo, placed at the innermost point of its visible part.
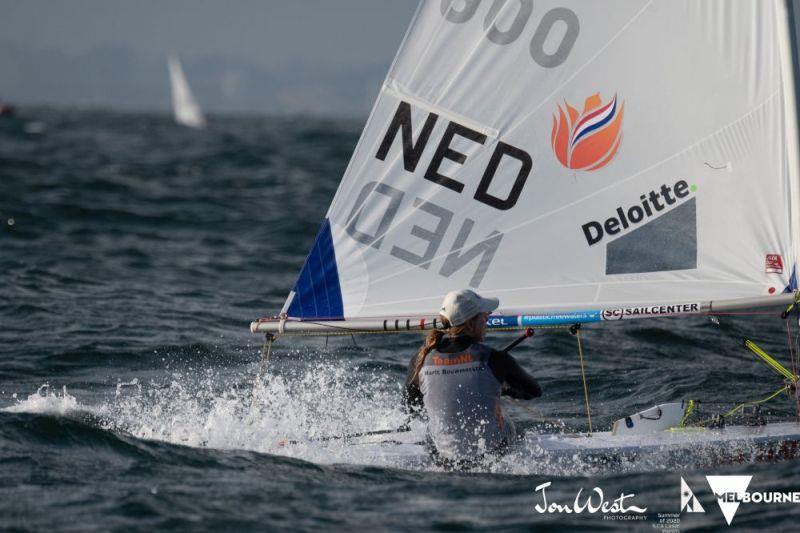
(285, 415)
(46, 401)
(290, 414)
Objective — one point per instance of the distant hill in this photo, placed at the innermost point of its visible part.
(119, 77)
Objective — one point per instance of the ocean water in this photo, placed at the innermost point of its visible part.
(134, 253)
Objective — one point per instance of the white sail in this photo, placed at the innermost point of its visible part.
(569, 155)
(187, 112)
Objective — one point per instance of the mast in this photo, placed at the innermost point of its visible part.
(791, 67)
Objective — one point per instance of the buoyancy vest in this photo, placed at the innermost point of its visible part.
(462, 399)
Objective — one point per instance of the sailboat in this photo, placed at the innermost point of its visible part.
(6, 110)
(590, 162)
(187, 112)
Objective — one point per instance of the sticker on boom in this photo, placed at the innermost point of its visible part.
(623, 313)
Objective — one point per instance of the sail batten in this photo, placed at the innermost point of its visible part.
(393, 88)
(645, 152)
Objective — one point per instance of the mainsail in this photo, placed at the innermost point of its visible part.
(590, 160)
(187, 112)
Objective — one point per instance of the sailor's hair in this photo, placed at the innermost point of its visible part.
(434, 338)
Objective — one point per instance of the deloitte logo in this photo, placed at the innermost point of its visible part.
(633, 234)
(652, 203)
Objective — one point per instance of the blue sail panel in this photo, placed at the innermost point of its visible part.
(317, 293)
(792, 286)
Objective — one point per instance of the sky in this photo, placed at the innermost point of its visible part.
(242, 56)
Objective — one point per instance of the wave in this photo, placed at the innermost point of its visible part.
(290, 414)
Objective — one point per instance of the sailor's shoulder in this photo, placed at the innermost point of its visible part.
(482, 349)
(481, 345)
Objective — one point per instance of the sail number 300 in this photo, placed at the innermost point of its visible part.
(463, 11)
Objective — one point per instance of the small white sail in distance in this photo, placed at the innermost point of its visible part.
(187, 112)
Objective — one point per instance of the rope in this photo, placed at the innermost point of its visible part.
(538, 416)
(789, 342)
(687, 414)
(404, 428)
(794, 370)
(266, 349)
(577, 331)
(769, 361)
(796, 365)
(745, 404)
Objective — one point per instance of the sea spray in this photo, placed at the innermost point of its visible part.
(215, 410)
(46, 401)
(299, 405)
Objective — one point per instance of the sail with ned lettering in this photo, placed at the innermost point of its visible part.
(598, 158)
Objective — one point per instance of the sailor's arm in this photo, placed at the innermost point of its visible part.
(517, 383)
(412, 395)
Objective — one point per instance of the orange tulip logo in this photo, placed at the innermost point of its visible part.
(588, 140)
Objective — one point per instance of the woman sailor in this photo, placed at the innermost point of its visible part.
(458, 380)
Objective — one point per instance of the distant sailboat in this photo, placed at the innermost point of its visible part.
(187, 112)
(6, 110)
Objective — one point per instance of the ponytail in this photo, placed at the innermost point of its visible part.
(431, 341)
(471, 328)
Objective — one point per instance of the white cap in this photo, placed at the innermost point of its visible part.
(460, 306)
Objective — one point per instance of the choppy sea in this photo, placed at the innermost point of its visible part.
(133, 255)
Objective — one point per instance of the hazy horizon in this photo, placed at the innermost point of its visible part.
(309, 57)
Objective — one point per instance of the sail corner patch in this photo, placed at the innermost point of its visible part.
(792, 286)
(317, 293)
